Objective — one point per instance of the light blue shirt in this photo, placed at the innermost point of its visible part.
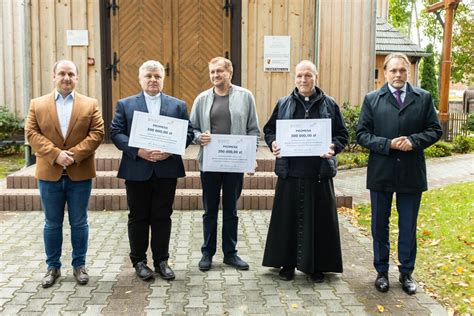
(153, 103)
(64, 108)
(402, 95)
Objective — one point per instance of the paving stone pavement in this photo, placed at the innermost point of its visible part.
(440, 172)
(115, 290)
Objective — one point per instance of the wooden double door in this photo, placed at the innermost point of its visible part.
(182, 34)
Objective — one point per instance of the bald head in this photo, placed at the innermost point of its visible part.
(306, 76)
(307, 64)
(64, 61)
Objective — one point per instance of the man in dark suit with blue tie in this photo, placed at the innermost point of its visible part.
(397, 122)
(150, 175)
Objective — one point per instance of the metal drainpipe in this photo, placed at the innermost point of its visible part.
(25, 25)
(316, 34)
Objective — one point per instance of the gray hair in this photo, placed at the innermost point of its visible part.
(308, 63)
(150, 65)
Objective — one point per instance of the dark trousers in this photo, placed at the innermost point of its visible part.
(408, 205)
(150, 203)
(231, 185)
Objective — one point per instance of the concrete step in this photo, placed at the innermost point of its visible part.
(108, 158)
(24, 179)
(20, 191)
(115, 199)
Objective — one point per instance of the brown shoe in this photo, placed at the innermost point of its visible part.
(81, 275)
(50, 277)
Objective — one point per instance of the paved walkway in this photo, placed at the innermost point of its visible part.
(441, 171)
(115, 290)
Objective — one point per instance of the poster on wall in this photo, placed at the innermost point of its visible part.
(276, 53)
(77, 37)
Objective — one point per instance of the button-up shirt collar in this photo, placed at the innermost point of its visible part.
(64, 109)
(402, 89)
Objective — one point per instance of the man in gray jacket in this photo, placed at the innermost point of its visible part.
(223, 109)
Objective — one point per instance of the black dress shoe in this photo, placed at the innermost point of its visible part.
(50, 277)
(205, 263)
(408, 284)
(236, 262)
(143, 271)
(317, 277)
(164, 270)
(381, 283)
(81, 275)
(287, 273)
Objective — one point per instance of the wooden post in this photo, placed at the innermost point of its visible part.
(449, 7)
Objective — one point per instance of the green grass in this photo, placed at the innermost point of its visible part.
(11, 163)
(445, 233)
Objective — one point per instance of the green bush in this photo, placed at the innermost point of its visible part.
(463, 144)
(347, 160)
(10, 126)
(351, 115)
(470, 123)
(439, 149)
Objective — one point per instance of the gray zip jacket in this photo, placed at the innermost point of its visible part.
(243, 114)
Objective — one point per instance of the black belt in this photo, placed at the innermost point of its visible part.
(64, 172)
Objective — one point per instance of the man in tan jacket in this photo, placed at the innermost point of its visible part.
(64, 128)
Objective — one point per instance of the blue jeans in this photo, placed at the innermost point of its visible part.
(54, 196)
(231, 185)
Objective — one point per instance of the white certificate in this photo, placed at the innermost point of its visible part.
(230, 153)
(165, 133)
(307, 137)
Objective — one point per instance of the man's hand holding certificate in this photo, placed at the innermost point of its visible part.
(306, 137)
(165, 133)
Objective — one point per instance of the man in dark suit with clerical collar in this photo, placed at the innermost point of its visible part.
(151, 175)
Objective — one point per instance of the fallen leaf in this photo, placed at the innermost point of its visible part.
(463, 284)
(294, 305)
(380, 308)
(426, 232)
(459, 270)
(434, 242)
(128, 292)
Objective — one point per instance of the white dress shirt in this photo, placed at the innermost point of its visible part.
(64, 108)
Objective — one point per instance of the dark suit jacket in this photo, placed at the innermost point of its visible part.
(85, 133)
(133, 167)
(380, 121)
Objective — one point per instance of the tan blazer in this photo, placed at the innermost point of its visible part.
(85, 133)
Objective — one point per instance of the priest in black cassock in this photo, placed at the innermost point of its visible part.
(304, 228)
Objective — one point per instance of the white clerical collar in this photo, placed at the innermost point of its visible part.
(152, 97)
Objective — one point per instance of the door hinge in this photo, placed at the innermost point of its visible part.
(113, 68)
(113, 5)
(167, 70)
(228, 7)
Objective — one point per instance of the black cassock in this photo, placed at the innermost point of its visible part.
(304, 228)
